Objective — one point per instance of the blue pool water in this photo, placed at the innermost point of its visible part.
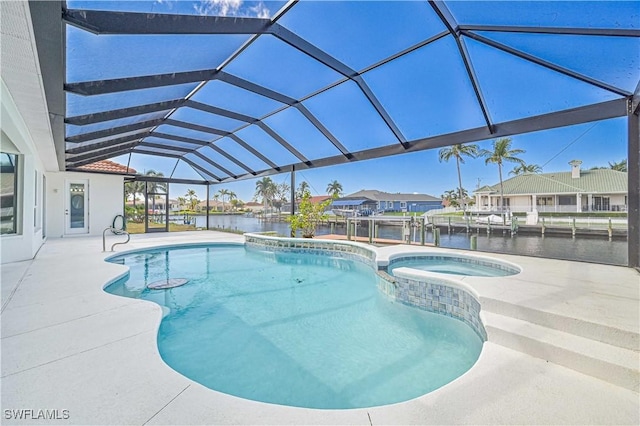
(455, 266)
(293, 329)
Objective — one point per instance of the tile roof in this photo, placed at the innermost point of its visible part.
(590, 181)
(376, 195)
(316, 199)
(107, 166)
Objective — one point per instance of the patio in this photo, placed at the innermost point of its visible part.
(68, 345)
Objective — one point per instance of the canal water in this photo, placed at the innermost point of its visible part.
(589, 249)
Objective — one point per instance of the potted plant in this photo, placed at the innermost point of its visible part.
(308, 216)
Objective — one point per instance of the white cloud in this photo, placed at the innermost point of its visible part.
(230, 8)
(163, 5)
(218, 7)
(261, 10)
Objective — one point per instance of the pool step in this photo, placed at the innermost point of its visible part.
(591, 330)
(616, 365)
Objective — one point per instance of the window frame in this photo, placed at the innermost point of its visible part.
(16, 194)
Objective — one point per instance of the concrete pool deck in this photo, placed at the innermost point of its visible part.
(68, 345)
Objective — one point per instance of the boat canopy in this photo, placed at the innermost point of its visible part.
(341, 203)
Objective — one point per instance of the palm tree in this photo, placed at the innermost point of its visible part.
(265, 189)
(450, 197)
(502, 152)
(182, 201)
(138, 188)
(236, 203)
(620, 166)
(193, 198)
(304, 186)
(334, 189)
(459, 151)
(525, 168)
(223, 193)
(155, 187)
(280, 195)
(132, 189)
(216, 197)
(232, 196)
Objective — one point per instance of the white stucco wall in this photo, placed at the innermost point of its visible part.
(16, 139)
(519, 203)
(105, 201)
(617, 199)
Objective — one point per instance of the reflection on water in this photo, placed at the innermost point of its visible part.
(588, 249)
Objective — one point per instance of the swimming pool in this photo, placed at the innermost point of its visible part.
(454, 265)
(294, 329)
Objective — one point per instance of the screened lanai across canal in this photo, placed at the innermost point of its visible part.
(237, 90)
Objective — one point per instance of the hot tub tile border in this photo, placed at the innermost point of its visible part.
(460, 259)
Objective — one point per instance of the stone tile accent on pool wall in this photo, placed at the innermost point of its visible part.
(433, 294)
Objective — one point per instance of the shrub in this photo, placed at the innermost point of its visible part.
(308, 216)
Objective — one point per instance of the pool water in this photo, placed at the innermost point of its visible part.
(299, 330)
(453, 266)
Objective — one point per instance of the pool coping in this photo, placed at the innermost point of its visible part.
(66, 344)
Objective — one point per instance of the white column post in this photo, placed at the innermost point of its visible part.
(579, 202)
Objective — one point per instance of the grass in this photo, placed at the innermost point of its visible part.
(138, 228)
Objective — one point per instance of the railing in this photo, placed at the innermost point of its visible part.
(592, 222)
(565, 208)
(115, 231)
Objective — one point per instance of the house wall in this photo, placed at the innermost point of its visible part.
(16, 139)
(524, 203)
(618, 200)
(411, 206)
(105, 201)
(520, 203)
(423, 206)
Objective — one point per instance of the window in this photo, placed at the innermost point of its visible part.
(403, 204)
(8, 193)
(566, 200)
(544, 201)
(35, 200)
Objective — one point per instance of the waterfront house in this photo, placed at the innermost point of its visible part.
(315, 199)
(572, 191)
(214, 206)
(387, 202)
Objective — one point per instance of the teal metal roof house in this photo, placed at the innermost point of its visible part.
(573, 191)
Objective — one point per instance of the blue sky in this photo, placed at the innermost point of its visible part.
(426, 92)
(595, 144)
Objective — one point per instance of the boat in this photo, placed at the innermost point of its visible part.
(492, 219)
(345, 212)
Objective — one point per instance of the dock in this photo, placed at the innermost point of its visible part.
(379, 241)
(539, 229)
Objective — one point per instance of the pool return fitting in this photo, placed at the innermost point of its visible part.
(116, 231)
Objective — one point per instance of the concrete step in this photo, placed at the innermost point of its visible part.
(591, 330)
(612, 364)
